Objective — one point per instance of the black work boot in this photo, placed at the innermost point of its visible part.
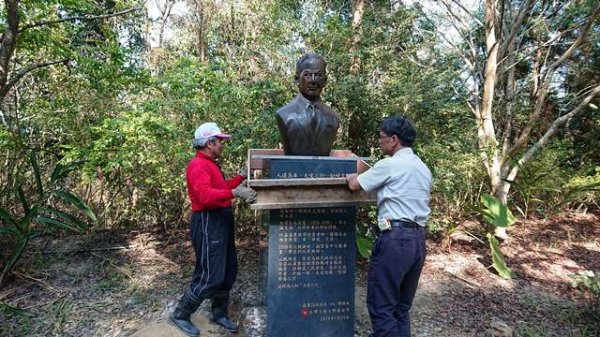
(219, 311)
(180, 317)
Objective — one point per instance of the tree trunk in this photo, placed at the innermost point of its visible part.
(164, 16)
(488, 145)
(8, 43)
(353, 129)
(358, 11)
(199, 22)
(200, 45)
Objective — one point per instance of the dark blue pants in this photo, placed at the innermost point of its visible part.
(396, 263)
(212, 235)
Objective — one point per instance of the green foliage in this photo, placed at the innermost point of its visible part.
(52, 109)
(132, 121)
(366, 215)
(496, 215)
(38, 215)
(587, 280)
(365, 247)
(583, 190)
(498, 258)
(555, 181)
(458, 178)
(190, 93)
(26, 319)
(138, 151)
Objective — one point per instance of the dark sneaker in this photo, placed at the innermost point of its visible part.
(226, 323)
(185, 326)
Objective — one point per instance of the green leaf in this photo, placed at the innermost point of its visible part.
(16, 254)
(365, 246)
(484, 213)
(22, 198)
(8, 230)
(8, 309)
(54, 222)
(498, 258)
(495, 213)
(36, 172)
(66, 216)
(6, 217)
(24, 225)
(61, 171)
(74, 200)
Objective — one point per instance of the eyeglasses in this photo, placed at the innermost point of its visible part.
(307, 75)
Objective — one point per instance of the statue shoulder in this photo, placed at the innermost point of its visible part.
(330, 111)
(285, 110)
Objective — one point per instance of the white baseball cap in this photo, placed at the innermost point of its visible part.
(206, 131)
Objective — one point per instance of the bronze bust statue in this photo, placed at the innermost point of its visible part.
(307, 126)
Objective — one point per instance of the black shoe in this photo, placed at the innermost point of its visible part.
(180, 318)
(226, 323)
(219, 311)
(186, 326)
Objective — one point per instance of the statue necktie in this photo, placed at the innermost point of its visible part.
(312, 112)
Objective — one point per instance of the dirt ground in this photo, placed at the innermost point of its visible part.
(125, 283)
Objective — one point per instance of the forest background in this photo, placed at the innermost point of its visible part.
(99, 100)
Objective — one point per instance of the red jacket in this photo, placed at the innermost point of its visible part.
(207, 188)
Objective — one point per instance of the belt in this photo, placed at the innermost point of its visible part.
(403, 224)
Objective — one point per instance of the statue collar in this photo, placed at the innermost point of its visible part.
(306, 102)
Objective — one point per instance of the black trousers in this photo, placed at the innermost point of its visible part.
(394, 271)
(212, 235)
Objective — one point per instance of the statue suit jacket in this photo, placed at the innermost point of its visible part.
(302, 135)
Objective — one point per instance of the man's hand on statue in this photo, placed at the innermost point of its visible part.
(352, 181)
(350, 176)
(245, 193)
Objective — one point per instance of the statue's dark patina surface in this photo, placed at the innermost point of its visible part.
(307, 126)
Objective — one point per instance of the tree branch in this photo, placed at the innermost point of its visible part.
(75, 18)
(558, 123)
(546, 79)
(516, 26)
(582, 36)
(2, 119)
(468, 12)
(24, 71)
(457, 19)
(164, 15)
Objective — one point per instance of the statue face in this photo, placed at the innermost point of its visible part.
(312, 79)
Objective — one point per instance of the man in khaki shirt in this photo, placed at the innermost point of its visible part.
(403, 184)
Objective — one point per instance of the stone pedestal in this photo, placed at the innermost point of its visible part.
(311, 219)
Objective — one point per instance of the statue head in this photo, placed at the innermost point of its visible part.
(311, 75)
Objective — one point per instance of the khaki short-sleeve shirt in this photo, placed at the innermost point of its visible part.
(403, 183)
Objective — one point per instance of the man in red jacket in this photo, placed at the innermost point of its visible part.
(212, 232)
